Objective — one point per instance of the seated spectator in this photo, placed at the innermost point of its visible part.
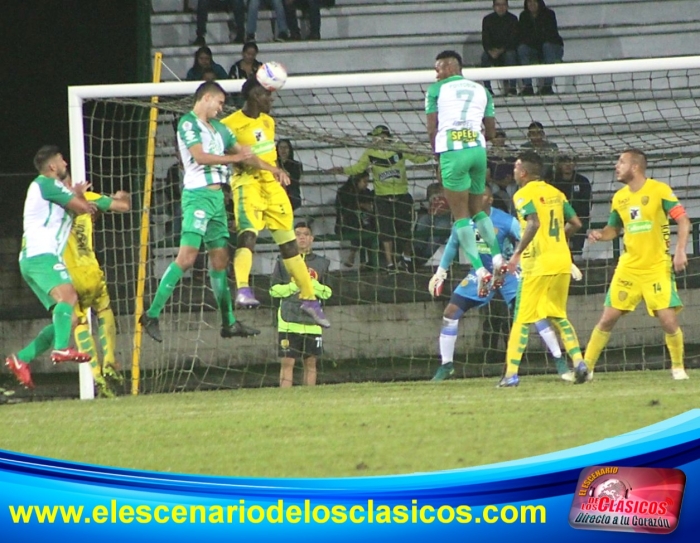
(577, 190)
(285, 160)
(546, 149)
(539, 42)
(499, 173)
(208, 74)
(434, 227)
(282, 31)
(236, 24)
(203, 60)
(355, 220)
(499, 37)
(248, 64)
(312, 8)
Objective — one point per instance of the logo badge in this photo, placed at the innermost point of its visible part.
(635, 213)
(623, 499)
(645, 200)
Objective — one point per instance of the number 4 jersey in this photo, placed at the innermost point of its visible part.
(548, 253)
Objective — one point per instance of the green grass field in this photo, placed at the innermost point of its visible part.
(345, 430)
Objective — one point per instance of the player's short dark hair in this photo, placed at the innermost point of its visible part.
(208, 87)
(533, 161)
(43, 155)
(250, 84)
(450, 54)
(304, 224)
(640, 156)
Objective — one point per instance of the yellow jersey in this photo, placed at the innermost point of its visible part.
(548, 253)
(644, 216)
(259, 134)
(80, 251)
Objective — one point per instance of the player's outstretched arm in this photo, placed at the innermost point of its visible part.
(608, 233)
(573, 225)
(207, 159)
(121, 202)
(432, 129)
(79, 205)
(680, 259)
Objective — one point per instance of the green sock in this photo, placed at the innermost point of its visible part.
(167, 285)
(467, 241)
(62, 323)
(485, 227)
(222, 293)
(38, 346)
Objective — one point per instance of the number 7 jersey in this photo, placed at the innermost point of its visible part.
(548, 253)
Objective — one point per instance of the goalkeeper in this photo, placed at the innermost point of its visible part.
(89, 282)
(466, 297)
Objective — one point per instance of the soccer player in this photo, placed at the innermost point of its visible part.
(89, 282)
(645, 270)
(48, 215)
(206, 148)
(546, 221)
(465, 296)
(298, 335)
(456, 108)
(260, 201)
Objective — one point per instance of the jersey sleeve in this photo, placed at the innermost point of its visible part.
(54, 191)
(490, 110)
(189, 132)
(523, 203)
(102, 202)
(668, 199)
(361, 165)
(431, 99)
(614, 219)
(569, 212)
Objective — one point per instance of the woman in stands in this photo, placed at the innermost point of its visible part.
(294, 169)
(248, 64)
(204, 60)
(355, 220)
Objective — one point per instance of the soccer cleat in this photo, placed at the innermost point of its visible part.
(111, 373)
(563, 369)
(509, 381)
(315, 311)
(499, 274)
(581, 373)
(444, 372)
(151, 327)
(238, 329)
(246, 299)
(483, 286)
(59, 356)
(103, 388)
(568, 376)
(20, 370)
(679, 374)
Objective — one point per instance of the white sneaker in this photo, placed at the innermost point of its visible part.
(679, 374)
(568, 376)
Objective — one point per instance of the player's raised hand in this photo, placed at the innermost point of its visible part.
(680, 261)
(282, 177)
(121, 195)
(243, 153)
(436, 281)
(595, 235)
(513, 263)
(80, 188)
(335, 169)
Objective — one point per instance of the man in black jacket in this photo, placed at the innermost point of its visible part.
(577, 190)
(539, 41)
(499, 37)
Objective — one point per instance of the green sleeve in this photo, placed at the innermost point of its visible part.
(528, 209)
(431, 99)
(614, 219)
(189, 132)
(283, 290)
(417, 159)
(668, 205)
(103, 203)
(322, 292)
(490, 111)
(360, 167)
(569, 212)
(54, 191)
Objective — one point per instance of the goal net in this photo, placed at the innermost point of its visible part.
(384, 325)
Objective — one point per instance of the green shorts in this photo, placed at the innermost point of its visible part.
(464, 169)
(204, 215)
(43, 273)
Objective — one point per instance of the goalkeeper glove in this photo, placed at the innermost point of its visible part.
(436, 281)
(575, 272)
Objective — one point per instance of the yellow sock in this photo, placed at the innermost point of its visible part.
(596, 344)
(107, 332)
(517, 343)
(242, 264)
(300, 273)
(674, 342)
(86, 344)
(570, 339)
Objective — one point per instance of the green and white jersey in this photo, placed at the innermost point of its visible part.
(192, 131)
(461, 106)
(47, 223)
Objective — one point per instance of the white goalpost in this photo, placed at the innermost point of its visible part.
(383, 327)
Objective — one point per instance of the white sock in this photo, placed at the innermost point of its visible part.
(550, 338)
(448, 339)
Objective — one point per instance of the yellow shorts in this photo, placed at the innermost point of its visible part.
(656, 287)
(89, 283)
(262, 205)
(542, 296)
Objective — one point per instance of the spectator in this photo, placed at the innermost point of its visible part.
(499, 37)
(208, 74)
(499, 173)
(434, 227)
(577, 190)
(394, 204)
(282, 31)
(546, 149)
(298, 335)
(312, 8)
(248, 64)
(203, 60)
(294, 169)
(355, 220)
(539, 42)
(236, 24)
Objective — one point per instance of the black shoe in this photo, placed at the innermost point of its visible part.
(406, 265)
(390, 269)
(199, 41)
(314, 36)
(240, 38)
(151, 327)
(284, 36)
(295, 36)
(527, 91)
(250, 37)
(238, 329)
(546, 90)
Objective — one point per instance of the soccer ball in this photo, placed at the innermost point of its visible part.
(272, 76)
